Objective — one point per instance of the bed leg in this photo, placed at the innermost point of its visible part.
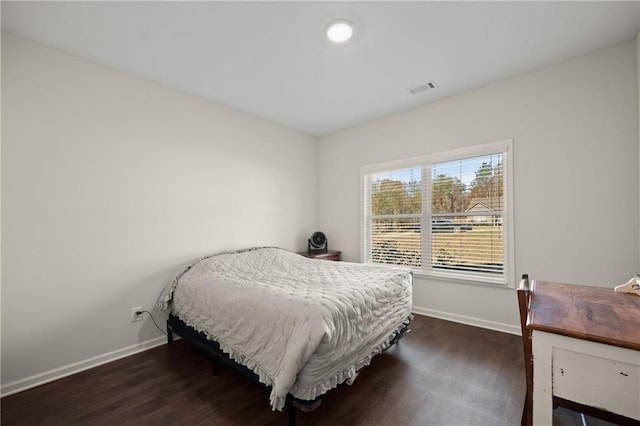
(292, 414)
(169, 333)
(215, 364)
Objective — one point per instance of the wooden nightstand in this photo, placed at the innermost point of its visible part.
(329, 255)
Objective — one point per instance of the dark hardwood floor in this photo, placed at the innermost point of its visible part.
(442, 373)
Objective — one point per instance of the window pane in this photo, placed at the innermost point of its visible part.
(467, 206)
(397, 192)
(474, 243)
(396, 241)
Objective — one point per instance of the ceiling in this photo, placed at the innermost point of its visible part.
(270, 58)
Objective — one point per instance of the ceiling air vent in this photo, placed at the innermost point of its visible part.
(422, 87)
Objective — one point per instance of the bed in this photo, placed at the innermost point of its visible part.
(299, 326)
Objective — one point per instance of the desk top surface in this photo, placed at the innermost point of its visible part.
(588, 313)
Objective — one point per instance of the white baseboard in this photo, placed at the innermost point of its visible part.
(477, 322)
(67, 370)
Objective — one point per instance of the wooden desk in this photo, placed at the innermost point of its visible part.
(586, 349)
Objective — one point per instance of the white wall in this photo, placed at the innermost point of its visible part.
(109, 184)
(574, 127)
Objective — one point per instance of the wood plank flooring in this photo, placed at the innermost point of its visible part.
(442, 373)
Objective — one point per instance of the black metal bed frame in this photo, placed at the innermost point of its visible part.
(197, 338)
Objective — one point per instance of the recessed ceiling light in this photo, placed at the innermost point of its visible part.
(339, 31)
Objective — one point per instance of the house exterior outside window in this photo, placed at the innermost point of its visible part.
(447, 215)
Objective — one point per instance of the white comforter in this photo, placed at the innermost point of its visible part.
(304, 326)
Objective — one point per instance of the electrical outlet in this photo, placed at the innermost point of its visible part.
(135, 316)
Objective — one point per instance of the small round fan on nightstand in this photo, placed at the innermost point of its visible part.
(318, 242)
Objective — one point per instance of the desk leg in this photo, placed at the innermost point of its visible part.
(542, 379)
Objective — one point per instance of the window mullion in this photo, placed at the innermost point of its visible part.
(425, 221)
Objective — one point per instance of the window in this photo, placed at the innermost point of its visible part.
(447, 215)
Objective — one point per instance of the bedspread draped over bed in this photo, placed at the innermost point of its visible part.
(302, 325)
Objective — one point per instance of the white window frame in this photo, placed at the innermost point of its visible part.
(507, 278)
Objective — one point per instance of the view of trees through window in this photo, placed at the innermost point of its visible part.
(466, 207)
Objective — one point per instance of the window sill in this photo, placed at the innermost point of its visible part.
(463, 278)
